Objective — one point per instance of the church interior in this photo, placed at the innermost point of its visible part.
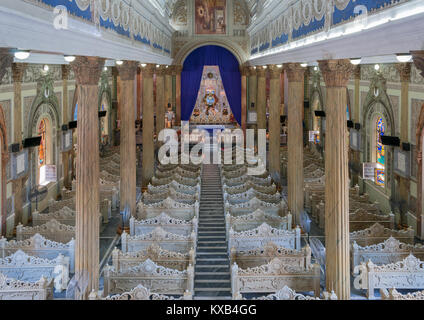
(212, 150)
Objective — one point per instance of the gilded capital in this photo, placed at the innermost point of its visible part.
(261, 71)
(418, 57)
(244, 70)
(336, 73)
(357, 72)
(87, 69)
(65, 71)
(274, 71)
(176, 70)
(295, 72)
(6, 60)
(252, 71)
(161, 71)
(18, 70)
(148, 70)
(404, 70)
(128, 70)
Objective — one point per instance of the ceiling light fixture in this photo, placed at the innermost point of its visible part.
(46, 68)
(403, 57)
(303, 65)
(69, 58)
(143, 65)
(355, 61)
(22, 54)
(377, 67)
(119, 62)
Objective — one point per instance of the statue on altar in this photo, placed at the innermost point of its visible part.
(212, 105)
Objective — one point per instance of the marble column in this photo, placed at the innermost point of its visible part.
(177, 72)
(336, 74)
(168, 86)
(65, 120)
(160, 99)
(114, 103)
(295, 75)
(356, 118)
(274, 123)
(244, 73)
(253, 86)
(6, 60)
(127, 72)
(148, 125)
(404, 70)
(261, 97)
(87, 72)
(18, 70)
(138, 93)
(418, 57)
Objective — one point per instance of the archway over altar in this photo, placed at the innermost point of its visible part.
(195, 77)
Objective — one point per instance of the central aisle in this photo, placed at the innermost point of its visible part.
(212, 271)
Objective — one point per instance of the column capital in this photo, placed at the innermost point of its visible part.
(295, 72)
(18, 70)
(148, 70)
(65, 71)
(357, 72)
(244, 70)
(161, 71)
(6, 60)
(252, 71)
(261, 71)
(128, 70)
(418, 57)
(87, 69)
(176, 69)
(274, 71)
(336, 73)
(404, 70)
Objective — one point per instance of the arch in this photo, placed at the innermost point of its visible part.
(231, 46)
(4, 161)
(191, 78)
(377, 103)
(419, 158)
(45, 105)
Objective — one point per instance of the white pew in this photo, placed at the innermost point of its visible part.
(157, 278)
(260, 236)
(12, 289)
(38, 246)
(166, 240)
(405, 274)
(166, 258)
(166, 222)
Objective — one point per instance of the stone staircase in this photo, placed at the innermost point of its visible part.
(212, 278)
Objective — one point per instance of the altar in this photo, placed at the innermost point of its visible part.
(212, 107)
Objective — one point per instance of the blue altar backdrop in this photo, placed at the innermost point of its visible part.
(191, 77)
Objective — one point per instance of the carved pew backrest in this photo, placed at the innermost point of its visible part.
(389, 251)
(23, 267)
(159, 279)
(13, 289)
(38, 246)
(51, 230)
(166, 258)
(166, 222)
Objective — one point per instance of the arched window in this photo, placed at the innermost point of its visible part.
(45, 150)
(76, 112)
(380, 129)
(42, 152)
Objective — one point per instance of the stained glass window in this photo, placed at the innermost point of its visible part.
(76, 112)
(42, 152)
(381, 153)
